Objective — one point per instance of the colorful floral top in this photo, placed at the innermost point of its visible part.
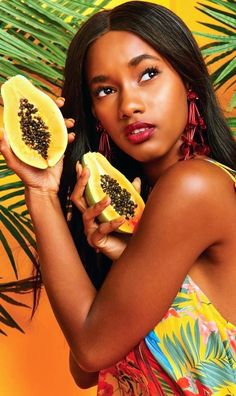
(192, 351)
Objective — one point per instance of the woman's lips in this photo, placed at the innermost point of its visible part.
(139, 132)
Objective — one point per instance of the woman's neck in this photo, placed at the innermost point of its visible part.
(154, 169)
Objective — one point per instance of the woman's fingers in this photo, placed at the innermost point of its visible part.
(90, 215)
(6, 150)
(70, 122)
(94, 211)
(101, 240)
(60, 101)
(77, 196)
(137, 184)
(71, 137)
(110, 226)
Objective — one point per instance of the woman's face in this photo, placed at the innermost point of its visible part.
(137, 96)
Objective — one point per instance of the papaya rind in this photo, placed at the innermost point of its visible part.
(18, 87)
(99, 165)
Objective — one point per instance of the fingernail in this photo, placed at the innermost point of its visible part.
(119, 220)
(78, 167)
(61, 98)
(105, 200)
(71, 120)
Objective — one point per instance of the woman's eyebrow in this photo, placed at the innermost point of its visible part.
(133, 62)
(99, 79)
(137, 59)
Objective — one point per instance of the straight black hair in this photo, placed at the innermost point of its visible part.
(170, 37)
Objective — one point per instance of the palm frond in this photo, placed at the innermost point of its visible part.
(232, 102)
(232, 124)
(7, 292)
(7, 320)
(222, 47)
(229, 4)
(227, 72)
(225, 43)
(224, 17)
(34, 38)
(218, 28)
(223, 74)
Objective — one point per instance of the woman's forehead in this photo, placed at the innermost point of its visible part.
(117, 47)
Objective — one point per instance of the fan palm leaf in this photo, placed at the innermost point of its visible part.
(34, 37)
(222, 47)
(7, 293)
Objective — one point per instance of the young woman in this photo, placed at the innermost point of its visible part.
(163, 322)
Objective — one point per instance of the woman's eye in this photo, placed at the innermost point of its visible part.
(148, 74)
(103, 91)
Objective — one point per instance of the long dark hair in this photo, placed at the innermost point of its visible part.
(171, 38)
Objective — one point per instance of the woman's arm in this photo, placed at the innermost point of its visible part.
(82, 378)
(102, 327)
(178, 224)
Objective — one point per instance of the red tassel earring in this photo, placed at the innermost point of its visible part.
(104, 143)
(194, 128)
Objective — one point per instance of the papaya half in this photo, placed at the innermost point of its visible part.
(105, 179)
(33, 123)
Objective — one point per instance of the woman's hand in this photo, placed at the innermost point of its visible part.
(44, 180)
(99, 236)
(69, 122)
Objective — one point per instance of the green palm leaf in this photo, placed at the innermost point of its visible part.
(229, 70)
(229, 4)
(223, 47)
(34, 38)
(7, 320)
(224, 17)
(224, 43)
(7, 248)
(7, 291)
(232, 124)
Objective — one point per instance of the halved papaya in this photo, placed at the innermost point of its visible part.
(34, 124)
(106, 180)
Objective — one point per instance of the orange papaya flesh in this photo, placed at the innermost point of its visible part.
(106, 180)
(33, 123)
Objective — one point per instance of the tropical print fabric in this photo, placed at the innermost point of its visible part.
(195, 345)
(229, 171)
(192, 351)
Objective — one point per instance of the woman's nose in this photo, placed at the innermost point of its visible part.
(131, 103)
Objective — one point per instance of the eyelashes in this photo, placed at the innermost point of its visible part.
(150, 72)
(103, 91)
(147, 74)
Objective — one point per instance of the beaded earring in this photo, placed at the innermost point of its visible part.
(104, 143)
(194, 129)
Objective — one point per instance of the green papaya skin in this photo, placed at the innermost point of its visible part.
(106, 180)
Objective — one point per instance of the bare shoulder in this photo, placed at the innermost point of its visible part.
(199, 178)
(196, 190)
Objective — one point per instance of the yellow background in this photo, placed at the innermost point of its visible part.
(35, 363)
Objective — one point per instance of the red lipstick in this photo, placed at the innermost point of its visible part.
(139, 132)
